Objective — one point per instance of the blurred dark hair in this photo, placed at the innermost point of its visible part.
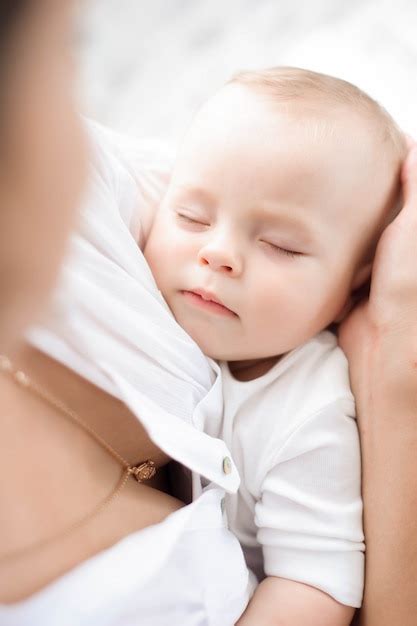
(10, 12)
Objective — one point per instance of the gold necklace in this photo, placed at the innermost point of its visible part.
(141, 472)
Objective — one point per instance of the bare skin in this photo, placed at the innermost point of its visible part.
(65, 474)
(380, 340)
(280, 602)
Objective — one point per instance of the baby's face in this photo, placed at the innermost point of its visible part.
(260, 237)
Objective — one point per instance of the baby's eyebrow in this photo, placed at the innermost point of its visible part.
(196, 194)
(276, 216)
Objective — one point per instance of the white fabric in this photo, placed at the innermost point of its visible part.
(109, 323)
(172, 573)
(293, 437)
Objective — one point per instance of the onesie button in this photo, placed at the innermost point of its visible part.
(227, 465)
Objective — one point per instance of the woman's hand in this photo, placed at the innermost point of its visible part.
(380, 340)
(379, 337)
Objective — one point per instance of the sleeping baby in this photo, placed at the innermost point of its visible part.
(278, 196)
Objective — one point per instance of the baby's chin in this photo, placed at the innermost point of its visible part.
(213, 349)
(244, 364)
(217, 344)
(221, 351)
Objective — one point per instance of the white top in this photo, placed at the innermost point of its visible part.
(186, 571)
(293, 437)
(109, 323)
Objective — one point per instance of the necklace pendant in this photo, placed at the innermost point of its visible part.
(143, 471)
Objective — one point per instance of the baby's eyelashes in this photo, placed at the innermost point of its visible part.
(191, 220)
(277, 249)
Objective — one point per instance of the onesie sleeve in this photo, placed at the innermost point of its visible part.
(144, 165)
(309, 516)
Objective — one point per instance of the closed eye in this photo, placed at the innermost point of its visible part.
(285, 251)
(191, 220)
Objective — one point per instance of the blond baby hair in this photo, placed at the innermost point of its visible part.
(317, 93)
(293, 84)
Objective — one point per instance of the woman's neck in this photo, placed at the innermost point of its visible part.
(102, 412)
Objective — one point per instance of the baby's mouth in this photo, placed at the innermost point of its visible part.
(208, 301)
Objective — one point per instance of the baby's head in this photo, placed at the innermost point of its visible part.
(281, 189)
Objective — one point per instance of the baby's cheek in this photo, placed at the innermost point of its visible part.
(182, 248)
(166, 254)
(292, 312)
(154, 253)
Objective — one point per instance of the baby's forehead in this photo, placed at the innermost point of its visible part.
(316, 122)
(338, 150)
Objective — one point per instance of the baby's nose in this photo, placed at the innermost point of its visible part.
(220, 261)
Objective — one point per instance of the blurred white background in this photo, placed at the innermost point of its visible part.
(147, 66)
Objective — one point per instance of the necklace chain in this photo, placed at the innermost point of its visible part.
(141, 472)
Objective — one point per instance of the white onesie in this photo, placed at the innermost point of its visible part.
(293, 437)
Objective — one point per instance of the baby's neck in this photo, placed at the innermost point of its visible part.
(253, 368)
